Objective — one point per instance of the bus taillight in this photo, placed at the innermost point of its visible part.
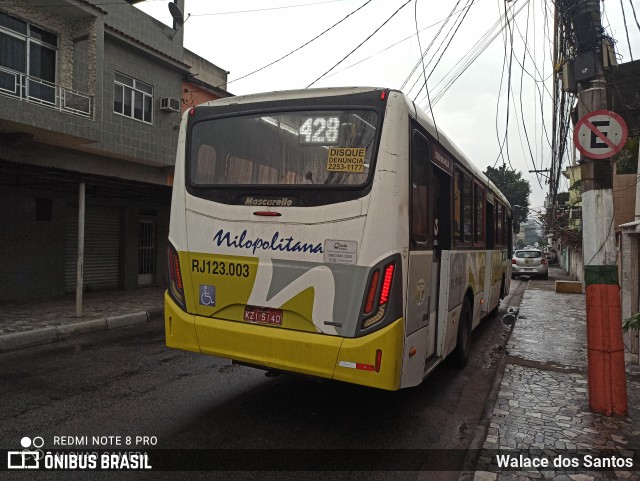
(386, 283)
(175, 277)
(383, 299)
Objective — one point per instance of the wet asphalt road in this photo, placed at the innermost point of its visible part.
(125, 382)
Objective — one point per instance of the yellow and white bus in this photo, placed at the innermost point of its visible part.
(333, 233)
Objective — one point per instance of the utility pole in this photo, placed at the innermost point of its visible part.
(606, 369)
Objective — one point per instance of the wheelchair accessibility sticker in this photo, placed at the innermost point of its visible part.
(207, 295)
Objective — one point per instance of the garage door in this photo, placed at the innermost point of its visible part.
(101, 249)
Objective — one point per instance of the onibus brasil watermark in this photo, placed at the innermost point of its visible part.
(100, 452)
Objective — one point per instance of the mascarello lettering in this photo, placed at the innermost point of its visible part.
(284, 202)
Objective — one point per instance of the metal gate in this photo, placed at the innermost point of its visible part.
(101, 250)
(146, 252)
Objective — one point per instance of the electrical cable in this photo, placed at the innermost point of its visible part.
(502, 143)
(390, 46)
(361, 43)
(468, 6)
(429, 47)
(635, 17)
(426, 87)
(624, 20)
(469, 58)
(301, 46)
(285, 7)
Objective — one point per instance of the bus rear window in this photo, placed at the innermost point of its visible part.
(283, 149)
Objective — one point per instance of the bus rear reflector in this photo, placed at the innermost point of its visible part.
(378, 359)
(371, 292)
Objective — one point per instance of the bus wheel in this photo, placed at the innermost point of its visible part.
(463, 345)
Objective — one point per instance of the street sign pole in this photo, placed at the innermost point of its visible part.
(606, 369)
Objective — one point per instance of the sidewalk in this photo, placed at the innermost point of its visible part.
(32, 323)
(541, 408)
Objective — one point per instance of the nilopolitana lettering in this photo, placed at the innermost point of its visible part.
(276, 243)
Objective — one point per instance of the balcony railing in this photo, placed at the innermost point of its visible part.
(47, 94)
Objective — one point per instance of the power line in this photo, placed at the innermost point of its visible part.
(635, 17)
(361, 43)
(392, 45)
(429, 47)
(415, 19)
(508, 37)
(624, 20)
(285, 7)
(467, 8)
(469, 58)
(301, 46)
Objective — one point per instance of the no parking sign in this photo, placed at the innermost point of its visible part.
(600, 134)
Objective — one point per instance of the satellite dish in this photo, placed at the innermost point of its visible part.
(176, 13)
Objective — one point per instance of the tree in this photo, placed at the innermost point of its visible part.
(627, 158)
(514, 187)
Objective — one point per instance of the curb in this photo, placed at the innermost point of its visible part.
(48, 335)
(467, 473)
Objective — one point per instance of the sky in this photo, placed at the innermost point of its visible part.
(467, 51)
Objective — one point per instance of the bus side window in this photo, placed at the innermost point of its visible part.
(419, 182)
(509, 239)
(499, 223)
(467, 208)
(490, 224)
(457, 206)
(478, 218)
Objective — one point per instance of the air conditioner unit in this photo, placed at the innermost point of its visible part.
(169, 104)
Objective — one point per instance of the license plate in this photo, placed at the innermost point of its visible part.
(263, 315)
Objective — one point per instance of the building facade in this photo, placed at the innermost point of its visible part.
(91, 95)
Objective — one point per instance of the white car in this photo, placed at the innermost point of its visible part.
(529, 262)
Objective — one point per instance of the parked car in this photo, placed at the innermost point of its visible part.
(529, 262)
(551, 256)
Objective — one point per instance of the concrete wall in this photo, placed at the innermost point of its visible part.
(629, 278)
(193, 95)
(32, 253)
(571, 261)
(42, 155)
(154, 143)
(205, 71)
(624, 198)
(142, 28)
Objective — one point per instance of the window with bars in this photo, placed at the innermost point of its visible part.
(31, 51)
(133, 98)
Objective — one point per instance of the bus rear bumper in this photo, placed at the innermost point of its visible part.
(354, 360)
